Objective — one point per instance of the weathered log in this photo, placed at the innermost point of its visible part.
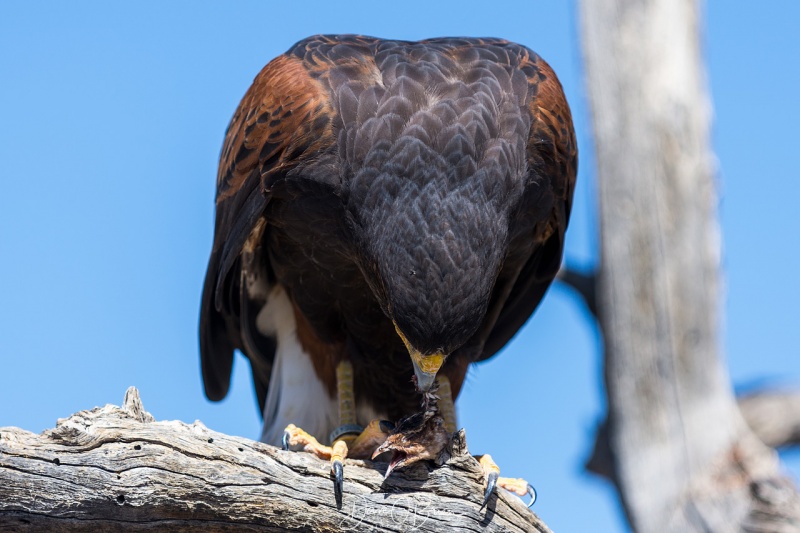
(117, 469)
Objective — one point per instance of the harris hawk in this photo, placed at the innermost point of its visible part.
(387, 213)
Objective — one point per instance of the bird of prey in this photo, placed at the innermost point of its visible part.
(387, 213)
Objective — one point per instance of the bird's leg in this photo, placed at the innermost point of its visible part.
(348, 430)
(518, 486)
(349, 439)
(341, 436)
(447, 407)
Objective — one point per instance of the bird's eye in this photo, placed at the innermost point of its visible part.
(412, 272)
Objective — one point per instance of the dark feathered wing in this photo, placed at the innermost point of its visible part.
(552, 158)
(283, 119)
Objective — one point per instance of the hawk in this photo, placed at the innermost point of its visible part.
(387, 214)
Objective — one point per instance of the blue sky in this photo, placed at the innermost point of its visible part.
(111, 122)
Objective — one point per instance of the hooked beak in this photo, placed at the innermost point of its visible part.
(398, 457)
(425, 366)
(425, 369)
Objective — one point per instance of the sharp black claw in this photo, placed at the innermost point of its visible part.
(532, 492)
(491, 483)
(285, 440)
(338, 481)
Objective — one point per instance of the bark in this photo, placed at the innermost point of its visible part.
(117, 469)
(683, 457)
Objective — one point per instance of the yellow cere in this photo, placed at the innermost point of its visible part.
(430, 364)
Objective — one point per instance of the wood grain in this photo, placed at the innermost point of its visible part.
(117, 469)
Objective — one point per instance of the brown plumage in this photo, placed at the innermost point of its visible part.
(386, 186)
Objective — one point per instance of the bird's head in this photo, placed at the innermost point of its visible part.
(419, 437)
(438, 267)
(432, 214)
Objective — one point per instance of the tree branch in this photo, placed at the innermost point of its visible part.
(118, 469)
(773, 416)
(585, 284)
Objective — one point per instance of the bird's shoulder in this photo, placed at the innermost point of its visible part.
(284, 116)
(552, 148)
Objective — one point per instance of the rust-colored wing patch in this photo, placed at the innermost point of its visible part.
(552, 137)
(283, 120)
(285, 114)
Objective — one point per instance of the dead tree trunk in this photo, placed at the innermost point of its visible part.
(117, 469)
(683, 458)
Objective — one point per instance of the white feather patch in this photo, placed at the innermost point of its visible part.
(296, 395)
